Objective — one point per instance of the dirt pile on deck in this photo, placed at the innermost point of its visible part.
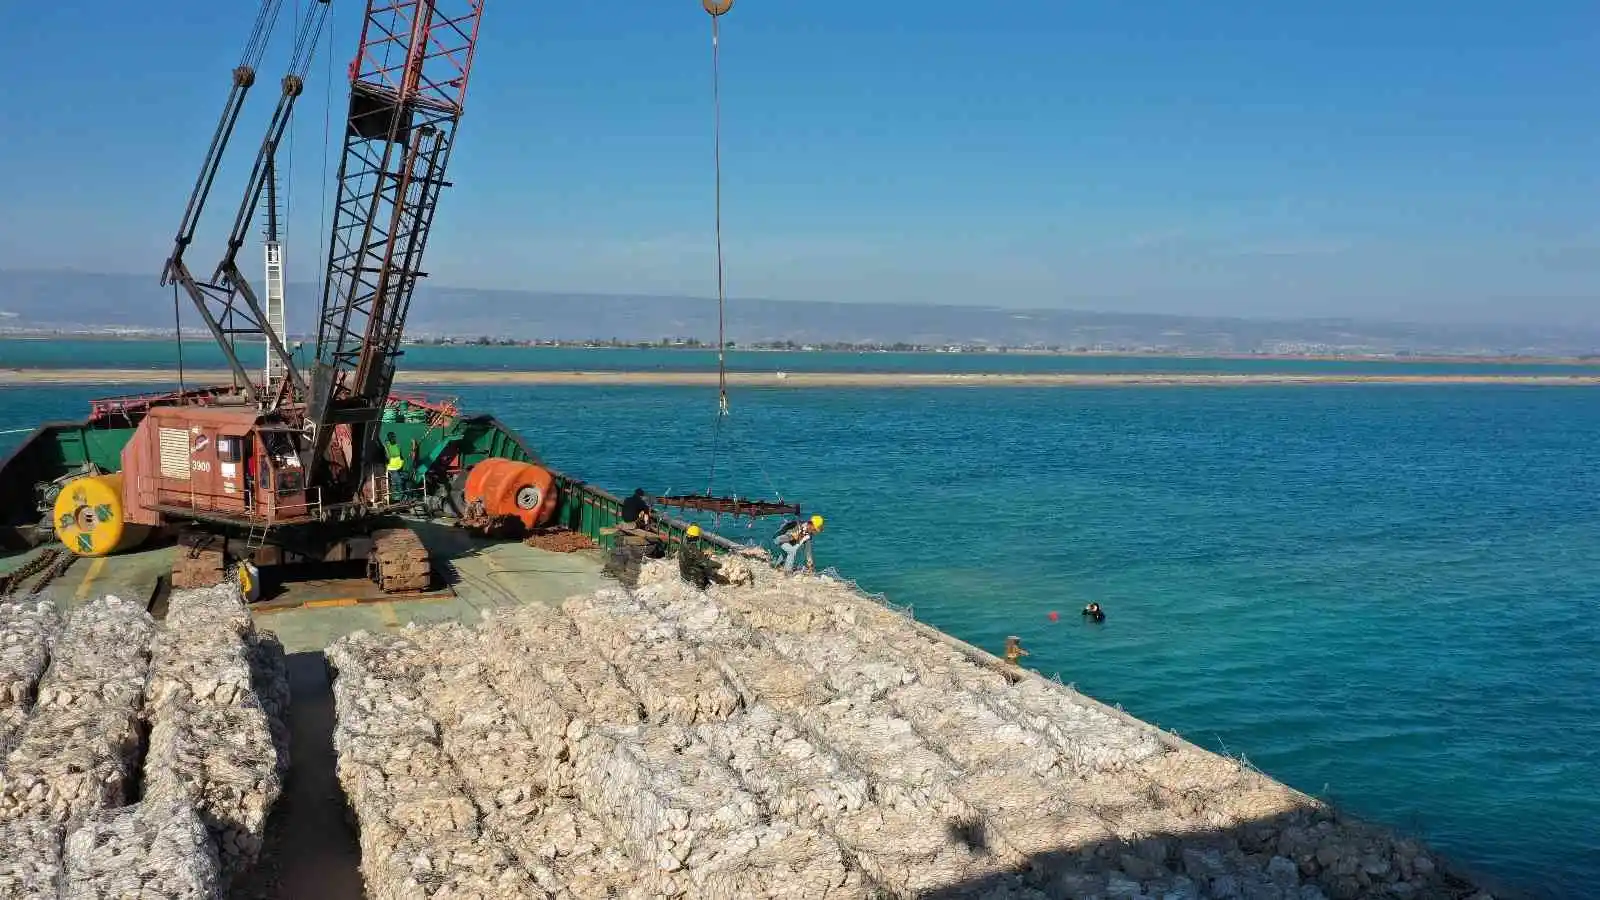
(559, 540)
(794, 739)
(147, 762)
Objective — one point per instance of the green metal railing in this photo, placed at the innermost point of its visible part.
(596, 512)
(584, 508)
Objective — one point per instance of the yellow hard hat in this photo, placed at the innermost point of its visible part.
(693, 531)
(816, 522)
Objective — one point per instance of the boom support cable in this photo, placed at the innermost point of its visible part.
(256, 45)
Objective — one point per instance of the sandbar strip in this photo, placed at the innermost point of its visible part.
(154, 377)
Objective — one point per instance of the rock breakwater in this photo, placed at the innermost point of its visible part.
(792, 738)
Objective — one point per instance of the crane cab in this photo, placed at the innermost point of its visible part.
(213, 463)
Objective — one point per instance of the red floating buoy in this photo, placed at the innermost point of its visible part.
(1055, 616)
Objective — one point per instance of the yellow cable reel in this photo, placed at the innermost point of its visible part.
(89, 517)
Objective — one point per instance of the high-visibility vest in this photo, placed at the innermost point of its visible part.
(396, 460)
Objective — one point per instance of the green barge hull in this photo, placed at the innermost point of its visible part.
(451, 440)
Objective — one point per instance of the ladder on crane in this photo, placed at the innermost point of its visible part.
(276, 314)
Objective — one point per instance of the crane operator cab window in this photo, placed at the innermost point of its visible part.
(282, 463)
(230, 459)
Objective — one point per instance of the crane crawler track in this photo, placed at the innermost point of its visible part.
(399, 561)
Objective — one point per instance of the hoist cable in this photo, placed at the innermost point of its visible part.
(288, 182)
(323, 237)
(256, 44)
(717, 8)
(716, 142)
(716, 155)
(716, 438)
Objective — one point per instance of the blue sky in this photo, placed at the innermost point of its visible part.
(1422, 160)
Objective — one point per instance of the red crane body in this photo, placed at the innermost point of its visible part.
(301, 474)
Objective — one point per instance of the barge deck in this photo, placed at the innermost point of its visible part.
(314, 606)
(1174, 818)
(311, 848)
(1178, 821)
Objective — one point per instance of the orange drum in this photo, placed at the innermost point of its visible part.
(498, 488)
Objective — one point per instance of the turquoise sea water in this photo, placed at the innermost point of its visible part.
(1384, 595)
(162, 355)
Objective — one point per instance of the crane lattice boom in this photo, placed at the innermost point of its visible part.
(226, 301)
(408, 85)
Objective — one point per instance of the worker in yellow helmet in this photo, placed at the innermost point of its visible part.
(694, 563)
(396, 467)
(795, 535)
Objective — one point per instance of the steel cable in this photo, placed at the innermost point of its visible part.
(722, 343)
(716, 8)
(722, 300)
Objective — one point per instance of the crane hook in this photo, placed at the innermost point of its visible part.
(717, 7)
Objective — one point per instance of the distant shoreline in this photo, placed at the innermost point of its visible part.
(1432, 358)
(137, 378)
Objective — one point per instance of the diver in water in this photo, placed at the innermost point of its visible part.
(1093, 613)
(1014, 651)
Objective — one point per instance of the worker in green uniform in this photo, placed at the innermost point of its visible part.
(397, 467)
(694, 564)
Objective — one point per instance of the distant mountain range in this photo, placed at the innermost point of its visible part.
(80, 302)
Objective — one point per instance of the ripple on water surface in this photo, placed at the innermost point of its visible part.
(1384, 594)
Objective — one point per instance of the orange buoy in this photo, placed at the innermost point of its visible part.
(499, 488)
(1055, 616)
